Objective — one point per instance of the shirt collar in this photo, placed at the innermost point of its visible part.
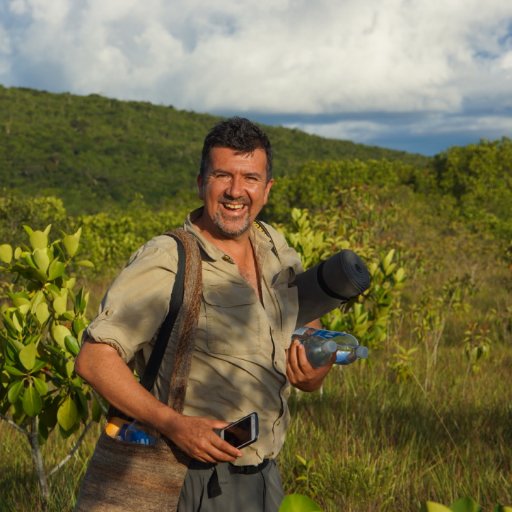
(259, 239)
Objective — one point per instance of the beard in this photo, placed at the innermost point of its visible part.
(231, 229)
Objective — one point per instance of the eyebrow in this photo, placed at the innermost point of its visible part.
(251, 174)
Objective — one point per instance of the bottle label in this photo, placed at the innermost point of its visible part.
(322, 333)
(130, 432)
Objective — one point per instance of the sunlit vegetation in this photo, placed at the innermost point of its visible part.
(426, 418)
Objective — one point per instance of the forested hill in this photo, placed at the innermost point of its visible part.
(94, 152)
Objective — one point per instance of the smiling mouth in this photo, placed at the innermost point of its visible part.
(233, 206)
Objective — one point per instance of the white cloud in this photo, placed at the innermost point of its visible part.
(282, 56)
(398, 133)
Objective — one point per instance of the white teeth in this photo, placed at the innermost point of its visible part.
(234, 206)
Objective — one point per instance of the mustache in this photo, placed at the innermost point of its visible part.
(240, 200)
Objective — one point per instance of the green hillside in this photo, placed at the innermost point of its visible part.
(95, 152)
(426, 417)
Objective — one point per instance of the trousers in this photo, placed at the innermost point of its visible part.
(226, 488)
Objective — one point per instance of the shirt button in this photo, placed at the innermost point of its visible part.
(227, 258)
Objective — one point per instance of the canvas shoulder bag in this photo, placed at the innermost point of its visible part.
(124, 476)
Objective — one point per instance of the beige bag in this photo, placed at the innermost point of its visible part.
(126, 476)
(134, 477)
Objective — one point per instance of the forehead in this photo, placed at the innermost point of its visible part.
(229, 159)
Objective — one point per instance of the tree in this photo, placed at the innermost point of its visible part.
(42, 318)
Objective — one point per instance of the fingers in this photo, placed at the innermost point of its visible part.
(299, 371)
(196, 437)
(298, 365)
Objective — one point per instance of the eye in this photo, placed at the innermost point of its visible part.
(222, 176)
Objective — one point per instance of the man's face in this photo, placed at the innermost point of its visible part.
(234, 190)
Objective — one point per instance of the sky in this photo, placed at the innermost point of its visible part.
(414, 75)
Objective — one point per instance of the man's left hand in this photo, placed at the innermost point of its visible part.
(299, 371)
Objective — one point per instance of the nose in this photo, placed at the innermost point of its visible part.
(235, 188)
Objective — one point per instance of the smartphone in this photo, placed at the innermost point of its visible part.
(242, 432)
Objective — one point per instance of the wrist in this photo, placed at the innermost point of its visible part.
(164, 420)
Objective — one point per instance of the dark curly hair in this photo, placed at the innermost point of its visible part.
(237, 133)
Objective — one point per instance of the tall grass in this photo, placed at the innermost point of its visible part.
(19, 490)
(367, 443)
(370, 444)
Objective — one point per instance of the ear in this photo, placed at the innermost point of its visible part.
(200, 187)
(268, 186)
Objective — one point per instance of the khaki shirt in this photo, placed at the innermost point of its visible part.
(239, 361)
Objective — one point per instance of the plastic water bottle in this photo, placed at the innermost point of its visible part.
(133, 434)
(321, 344)
(128, 431)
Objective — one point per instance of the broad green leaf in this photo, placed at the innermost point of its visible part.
(17, 253)
(59, 333)
(32, 403)
(388, 259)
(400, 275)
(41, 386)
(466, 505)
(60, 303)
(67, 415)
(72, 345)
(28, 356)
(38, 240)
(29, 260)
(11, 370)
(85, 263)
(56, 269)
(42, 313)
(70, 368)
(71, 242)
(6, 253)
(19, 299)
(37, 299)
(78, 326)
(14, 391)
(68, 315)
(16, 323)
(39, 365)
(298, 503)
(41, 259)
(24, 309)
(70, 283)
(501, 508)
(431, 506)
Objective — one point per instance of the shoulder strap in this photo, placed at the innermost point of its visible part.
(261, 227)
(153, 365)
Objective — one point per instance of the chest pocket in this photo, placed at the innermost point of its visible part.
(233, 319)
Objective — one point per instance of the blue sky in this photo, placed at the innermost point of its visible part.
(416, 75)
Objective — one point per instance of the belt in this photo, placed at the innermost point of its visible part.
(216, 480)
(248, 470)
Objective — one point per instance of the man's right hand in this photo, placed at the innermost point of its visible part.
(196, 437)
(107, 373)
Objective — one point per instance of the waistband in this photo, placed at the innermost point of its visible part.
(248, 470)
(245, 470)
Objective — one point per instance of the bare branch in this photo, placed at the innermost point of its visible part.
(73, 450)
(14, 425)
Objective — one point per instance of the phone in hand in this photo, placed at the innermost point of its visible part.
(242, 432)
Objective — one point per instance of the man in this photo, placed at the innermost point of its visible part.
(242, 360)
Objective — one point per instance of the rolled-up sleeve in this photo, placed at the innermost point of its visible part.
(137, 302)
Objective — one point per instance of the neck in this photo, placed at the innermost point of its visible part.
(233, 246)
